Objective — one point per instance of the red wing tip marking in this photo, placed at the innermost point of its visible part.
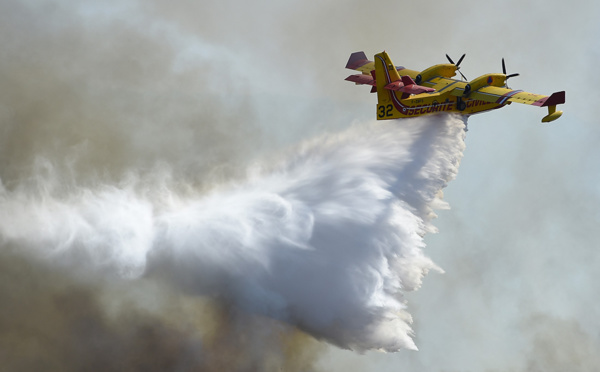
(361, 79)
(555, 99)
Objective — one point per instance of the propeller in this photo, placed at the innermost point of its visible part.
(504, 71)
(457, 64)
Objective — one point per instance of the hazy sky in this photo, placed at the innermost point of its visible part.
(518, 247)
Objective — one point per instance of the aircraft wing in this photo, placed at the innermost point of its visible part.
(504, 95)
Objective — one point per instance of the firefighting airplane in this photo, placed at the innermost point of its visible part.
(403, 93)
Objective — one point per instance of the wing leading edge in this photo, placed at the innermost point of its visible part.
(504, 96)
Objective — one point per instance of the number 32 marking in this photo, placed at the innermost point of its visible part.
(384, 111)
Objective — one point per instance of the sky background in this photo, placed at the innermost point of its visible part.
(519, 246)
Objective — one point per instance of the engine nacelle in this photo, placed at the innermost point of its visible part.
(496, 80)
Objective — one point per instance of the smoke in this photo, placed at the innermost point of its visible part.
(100, 94)
(51, 322)
(559, 345)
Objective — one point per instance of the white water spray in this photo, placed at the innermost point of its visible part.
(328, 240)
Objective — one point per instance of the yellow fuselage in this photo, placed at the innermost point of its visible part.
(393, 105)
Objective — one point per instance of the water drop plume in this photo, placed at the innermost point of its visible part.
(330, 239)
(327, 240)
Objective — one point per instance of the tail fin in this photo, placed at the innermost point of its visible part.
(385, 73)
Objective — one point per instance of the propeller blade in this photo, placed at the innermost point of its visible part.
(511, 75)
(503, 67)
(457, 64)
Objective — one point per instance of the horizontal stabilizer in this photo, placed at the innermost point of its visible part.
(407, 85)
(395, 85)
(361, 79)
(356, 60)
